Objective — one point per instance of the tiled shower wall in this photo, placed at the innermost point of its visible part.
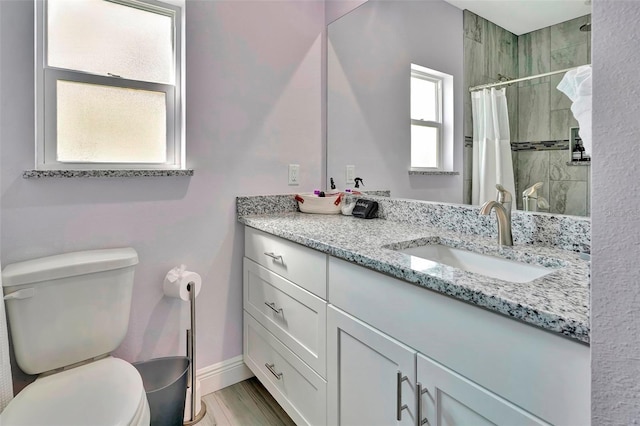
(489, 50)
(539, 114)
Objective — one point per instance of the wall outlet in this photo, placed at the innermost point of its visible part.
(350, 175)
(294, 174)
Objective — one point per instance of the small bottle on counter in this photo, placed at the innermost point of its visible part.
(348, 203)
(582, 150)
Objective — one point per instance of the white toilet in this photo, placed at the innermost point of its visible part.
(66, 314)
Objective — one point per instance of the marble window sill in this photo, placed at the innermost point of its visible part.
(433, 173)
(39, 174)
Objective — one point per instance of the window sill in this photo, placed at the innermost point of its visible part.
(578, 163)
(433, 172)
(38, 174)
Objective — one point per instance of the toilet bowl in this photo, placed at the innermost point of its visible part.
(67, 313)
(104, 392)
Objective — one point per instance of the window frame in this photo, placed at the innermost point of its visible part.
(46, 78)
(421, 73)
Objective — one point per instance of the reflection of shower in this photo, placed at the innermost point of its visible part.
(492, 161)
(586, 27)
(531, 201)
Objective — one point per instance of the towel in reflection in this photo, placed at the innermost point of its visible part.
(576, 84)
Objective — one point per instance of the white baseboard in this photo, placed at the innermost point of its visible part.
(223, 374)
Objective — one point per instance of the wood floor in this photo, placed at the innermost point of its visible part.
(244, 404)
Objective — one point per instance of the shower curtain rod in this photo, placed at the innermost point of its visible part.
(515, 80)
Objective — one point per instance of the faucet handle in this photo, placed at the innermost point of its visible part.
(504, 196)
(532, 191)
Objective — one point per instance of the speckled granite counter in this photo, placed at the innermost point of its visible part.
(557, 302)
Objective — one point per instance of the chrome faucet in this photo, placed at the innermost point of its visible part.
(503, 213)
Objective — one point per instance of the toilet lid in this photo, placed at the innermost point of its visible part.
(104, 392)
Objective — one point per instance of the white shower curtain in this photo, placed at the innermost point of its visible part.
(492, 162)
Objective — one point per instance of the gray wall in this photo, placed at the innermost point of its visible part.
(369, 55)
(489, 50)
(544, 115)
(543, 111)
(254, 102)
(565, 187)
(615, 270)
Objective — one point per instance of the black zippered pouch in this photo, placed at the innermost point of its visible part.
(365, 209)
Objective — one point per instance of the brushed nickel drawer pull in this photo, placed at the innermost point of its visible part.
(275, 257)
(272, 305)
(420, 392)
(270, 367)
(399, 405)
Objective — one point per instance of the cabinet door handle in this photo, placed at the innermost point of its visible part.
(275, 257)
(271, 368)
(420, 392)
(273, 307)
(399, 404)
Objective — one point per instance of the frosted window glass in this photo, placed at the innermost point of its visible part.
(101, 37)
(424, 146)
(106, 124)
(424, 99)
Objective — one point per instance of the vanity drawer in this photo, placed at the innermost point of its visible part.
(299, 390)
(292, 314)
(304, 266)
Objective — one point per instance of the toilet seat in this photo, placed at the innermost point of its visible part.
(106, 392)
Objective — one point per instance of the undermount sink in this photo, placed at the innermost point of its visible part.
(483, 264)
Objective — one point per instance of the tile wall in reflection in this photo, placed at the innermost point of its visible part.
(539, 114)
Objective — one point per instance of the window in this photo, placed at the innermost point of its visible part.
(431, 118)
(109, 84)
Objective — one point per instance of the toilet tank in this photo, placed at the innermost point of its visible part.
(68, 308)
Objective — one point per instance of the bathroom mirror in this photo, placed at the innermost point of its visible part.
(370, 52)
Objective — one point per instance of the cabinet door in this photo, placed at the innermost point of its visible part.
(371, 377)
(448, 399)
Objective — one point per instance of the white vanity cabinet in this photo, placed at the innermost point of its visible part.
(448, 399)
(340, 344)
(371, 376)
(478, 367)
(284, 286)
(376, 380)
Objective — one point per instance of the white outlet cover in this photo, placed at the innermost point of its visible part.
(350, 174)
(294, 174)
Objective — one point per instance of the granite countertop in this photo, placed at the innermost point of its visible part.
(558, 302)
